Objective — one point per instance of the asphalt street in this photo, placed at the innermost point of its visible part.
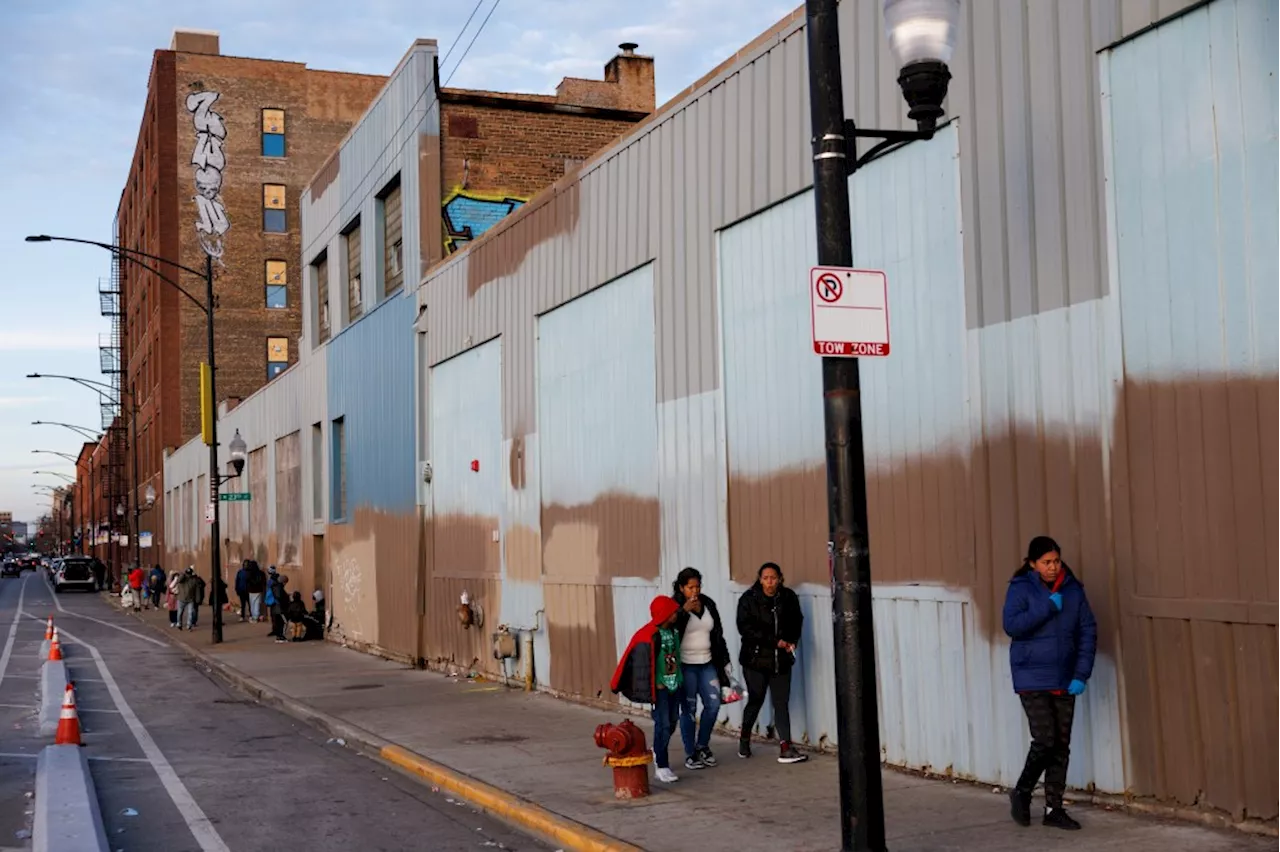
(181, 762)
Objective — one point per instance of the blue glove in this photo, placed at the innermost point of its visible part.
(1076, 687)
(1056, 597)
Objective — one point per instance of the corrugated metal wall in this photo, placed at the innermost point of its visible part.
(1192, 144)
(598, 459)
(466, 502)
(371, 387)
(978, 456)
(385, 143)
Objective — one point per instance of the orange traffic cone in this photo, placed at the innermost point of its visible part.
(55, 647)
(68, 723)
(48, 630)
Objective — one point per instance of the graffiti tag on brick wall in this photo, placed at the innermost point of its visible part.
(467, 215)
(208, 160)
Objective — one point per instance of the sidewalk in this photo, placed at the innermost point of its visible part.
(540, 749)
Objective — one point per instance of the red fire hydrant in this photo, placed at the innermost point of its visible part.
(629, 756)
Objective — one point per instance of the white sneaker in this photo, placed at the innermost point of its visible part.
(666, 776)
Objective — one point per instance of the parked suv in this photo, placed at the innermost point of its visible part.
(10, 568)
(75, 573)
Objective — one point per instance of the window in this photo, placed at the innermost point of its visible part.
(317, 471)
(277, 284)
(277, 356)
(274, 220)
(289, 499)
(389, 216)
(320, 272)
(273, 133)
(339, 468)
(355, 296)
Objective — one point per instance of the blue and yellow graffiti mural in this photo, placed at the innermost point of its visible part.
(467, 215)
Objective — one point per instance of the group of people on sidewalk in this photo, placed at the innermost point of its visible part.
(680, 659)
(185, 593)
(290, 620)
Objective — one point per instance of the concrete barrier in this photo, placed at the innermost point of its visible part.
(67, 817)
(53, 688)
(44, 649)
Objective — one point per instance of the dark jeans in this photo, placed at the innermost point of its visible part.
(700, 681)
(155, 598)
(1049, 716)
(244, 605)
(779, 688)
(277, 624)
(173, 616)
(666, 712)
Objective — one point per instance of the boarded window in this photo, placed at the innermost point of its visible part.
(274, 218)
(355, 296)
(289, 500)
(390, 210)
(317, 472)
(258, 530)
(277, 356)
(277, 284)
(320, 271)
(339, 499)
(273, 133)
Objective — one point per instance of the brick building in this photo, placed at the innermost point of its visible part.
(225, 147)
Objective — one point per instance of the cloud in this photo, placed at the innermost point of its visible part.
(12, 402)
(27, 340)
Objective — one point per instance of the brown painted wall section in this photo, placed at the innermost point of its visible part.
(1195, 497)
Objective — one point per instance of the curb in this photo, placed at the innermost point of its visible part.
(53, 689)
(67, 817)
(566, 832)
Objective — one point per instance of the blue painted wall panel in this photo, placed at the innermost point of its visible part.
(371, 386)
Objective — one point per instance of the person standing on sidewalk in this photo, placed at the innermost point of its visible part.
(770, 622)
(171, 598)
(157, 583)
(704, 659)
(1055, 638)
(277, 599)
(136, 578)
(186, 599)
(256, 584)
(242, 589)
(197, 597)
(649, 673)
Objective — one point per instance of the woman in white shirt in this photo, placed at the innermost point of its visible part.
(705, 659)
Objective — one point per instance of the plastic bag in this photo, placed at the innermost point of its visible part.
(733, 692)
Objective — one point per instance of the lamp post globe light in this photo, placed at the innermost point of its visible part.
(149, 495)
(238, 456)
(922, 37)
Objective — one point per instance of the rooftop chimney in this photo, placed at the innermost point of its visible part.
(633, 74)
(195, 41)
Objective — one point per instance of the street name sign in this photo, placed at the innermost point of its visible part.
(234, 497)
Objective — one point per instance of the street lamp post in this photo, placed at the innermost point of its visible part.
(101, 388)
(89, 434)
(921, 34)
(137, 257)
(72, 501)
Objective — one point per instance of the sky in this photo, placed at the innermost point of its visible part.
(73, 79)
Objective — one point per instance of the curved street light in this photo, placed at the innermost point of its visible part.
(84, 431)
(70, 479)
(104, 390)
(66, 456)
(140, 258)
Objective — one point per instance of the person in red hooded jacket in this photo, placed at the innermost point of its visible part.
(649, 673)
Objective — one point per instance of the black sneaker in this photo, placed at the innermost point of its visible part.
(708, 758)
(694, 761)
(1059, 818)
(790, 755)
(744, 748)
(1020, 806)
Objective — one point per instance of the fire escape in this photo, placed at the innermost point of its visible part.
(115, 486)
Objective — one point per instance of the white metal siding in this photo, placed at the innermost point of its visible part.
(466, 425)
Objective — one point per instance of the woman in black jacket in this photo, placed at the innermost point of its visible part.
(769, 621)
(704, 659)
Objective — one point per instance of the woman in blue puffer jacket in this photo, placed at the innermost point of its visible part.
(1055, 637)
